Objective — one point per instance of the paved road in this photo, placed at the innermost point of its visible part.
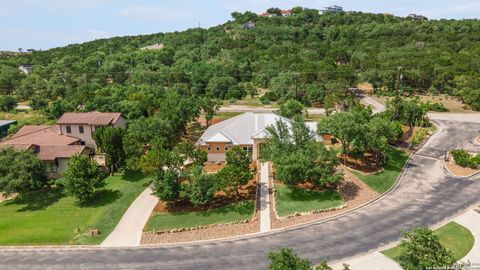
(425, 196)
(242, 108)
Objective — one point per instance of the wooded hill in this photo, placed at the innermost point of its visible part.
(306, 56)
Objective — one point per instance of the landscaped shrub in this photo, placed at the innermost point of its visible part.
(419, 136)
(465, 159)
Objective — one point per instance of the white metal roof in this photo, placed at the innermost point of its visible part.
(242, 129)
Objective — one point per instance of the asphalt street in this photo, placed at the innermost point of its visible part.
(425, 196)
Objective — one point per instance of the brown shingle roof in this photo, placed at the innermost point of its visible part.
(46, 136)
(89, 118)
(45, 141)
(29, 129)
(53, 152)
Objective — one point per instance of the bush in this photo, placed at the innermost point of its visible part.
(7, 103)
(286, 259)
(264, 100)
(465, 159)
(421, 249)
(419, 136)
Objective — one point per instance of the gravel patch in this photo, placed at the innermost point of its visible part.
(353, 191)
(212, 232)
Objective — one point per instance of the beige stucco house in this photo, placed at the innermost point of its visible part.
(247, 130)
(72, 135)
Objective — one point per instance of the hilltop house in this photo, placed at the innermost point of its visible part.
(417, 17)
(283, 12)
(56, 144)
(247, 131)
(26, 69)
(332, 9)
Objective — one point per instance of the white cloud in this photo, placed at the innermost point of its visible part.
(156, 13)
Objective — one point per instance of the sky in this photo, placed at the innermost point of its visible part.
(43, 24)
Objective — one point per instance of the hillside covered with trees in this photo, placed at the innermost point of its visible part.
(307, 56)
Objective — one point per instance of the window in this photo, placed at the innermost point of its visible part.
(226, 148)
(209, 148)
(80, 129)
(69, 129)
(248, 149)
(218, 148)
(51, 167)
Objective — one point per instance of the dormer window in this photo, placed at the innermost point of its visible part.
(69, 129)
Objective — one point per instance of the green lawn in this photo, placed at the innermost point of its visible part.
(225, 214)
(49, 217)
(289, 200)
(381, 182)
(453, 237)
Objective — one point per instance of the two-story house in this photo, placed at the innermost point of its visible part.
(72, 135)
(82, 125)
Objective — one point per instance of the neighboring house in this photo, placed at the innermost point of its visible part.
(332, 9)
(26, 69)
(157, 46)
(284, 13)
(247, 131)
(53, 148)
(82, 125)
(248, 25)
(5, 125)
(72, 135)
(417, 16)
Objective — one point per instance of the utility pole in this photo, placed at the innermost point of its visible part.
(399, 78)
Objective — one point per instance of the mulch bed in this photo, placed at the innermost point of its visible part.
(352, 190)
(214, 231)
(460, 171)
(367, 165)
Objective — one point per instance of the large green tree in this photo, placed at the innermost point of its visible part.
(20, 171)
(83, 178)
(110, 141)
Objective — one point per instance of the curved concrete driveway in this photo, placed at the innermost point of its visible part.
(425, 196)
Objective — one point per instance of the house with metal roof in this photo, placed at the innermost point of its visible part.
(247, 130)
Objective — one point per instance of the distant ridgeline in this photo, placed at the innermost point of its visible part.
(301, 53)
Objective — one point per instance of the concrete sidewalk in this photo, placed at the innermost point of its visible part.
(372, 261)
(128, 232)
(264, 198)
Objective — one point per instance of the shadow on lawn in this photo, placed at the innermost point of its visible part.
(303, 195)
(37, 200)
(243, 208)
(132, 176)
(102, 198)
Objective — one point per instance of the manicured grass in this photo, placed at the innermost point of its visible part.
(381, 182)
(454, 237)
(49, 217)
(225, 214)
(289, 200)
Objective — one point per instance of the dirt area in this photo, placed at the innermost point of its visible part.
(460, 171)
(353, 191)
(367, 165)
(212, 232)
(453, 104)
